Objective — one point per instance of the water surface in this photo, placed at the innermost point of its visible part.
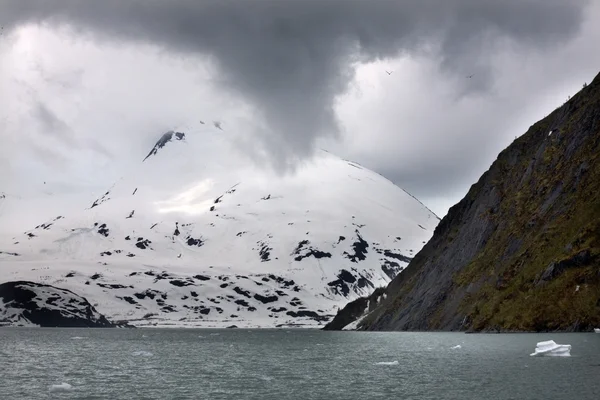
(291, 364)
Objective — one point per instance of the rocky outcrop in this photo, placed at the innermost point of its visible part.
(520, 252)
(25, 303)
(355, 310)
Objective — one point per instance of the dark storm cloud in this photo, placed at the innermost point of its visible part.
(51, 124)
(290, 59)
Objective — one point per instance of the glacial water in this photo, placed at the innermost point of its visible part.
(291, 364)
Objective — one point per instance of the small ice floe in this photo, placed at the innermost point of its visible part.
(550, 133)
(142, 353)
(387, 363)
(214, 334)
(551, 348)
(597, 330)
(63, 387)
(78, 338)
(458, 346)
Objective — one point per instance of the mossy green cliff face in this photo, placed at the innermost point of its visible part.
(521, 251)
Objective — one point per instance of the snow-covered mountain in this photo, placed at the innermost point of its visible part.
(195, 235)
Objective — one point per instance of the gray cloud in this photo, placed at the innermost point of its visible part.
(51, 124)
(291, 59)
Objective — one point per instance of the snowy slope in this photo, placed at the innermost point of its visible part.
(197, 236)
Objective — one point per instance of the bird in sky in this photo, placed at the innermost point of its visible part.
(202, 122)
(389, 72)
(217, 125)
(470, 76)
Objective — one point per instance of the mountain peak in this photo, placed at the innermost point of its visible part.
(162, 142)
(202, 237)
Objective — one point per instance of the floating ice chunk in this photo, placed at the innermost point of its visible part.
(78, 338)
(142, 353)
(597, 330)
(387, 363)
(458, 346)
(63, 387)
(551, 348)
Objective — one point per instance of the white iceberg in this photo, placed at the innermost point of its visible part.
(387, 363)
(551, 348)
(63, 387)
(458, 346)
(597, 330)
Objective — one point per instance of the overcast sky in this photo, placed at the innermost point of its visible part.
(85, 85)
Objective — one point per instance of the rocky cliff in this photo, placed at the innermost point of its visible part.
(34, 304)
(521, 251)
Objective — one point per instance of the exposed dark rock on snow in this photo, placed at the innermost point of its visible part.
(265, 251)
(128, 299)
(359, 248)
(304, 250)
(166, 138)
(243, 292)
(103, 230)
(341, 285)
(242, 303)
(101, 200)
(180, 282)
(391, 268)
(306, 313)
(113, 286)
(397, 256)
(265, 299)
(143, 243)
(194, 242)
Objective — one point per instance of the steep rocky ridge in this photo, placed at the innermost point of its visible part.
(521, 251)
